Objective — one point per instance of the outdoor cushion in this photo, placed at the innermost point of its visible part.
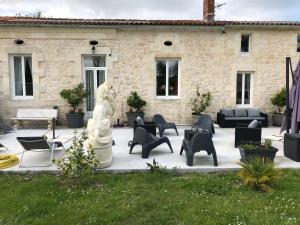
(140, 121)
(256, 118)
(253, 112)
(227, 112)
(240, 113)
(253, 124)
(237, 118)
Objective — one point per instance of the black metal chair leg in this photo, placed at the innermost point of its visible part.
(189, 159)
(176, 131)
(170, 146)
(215, 158)
(181, 150)
(131, 147)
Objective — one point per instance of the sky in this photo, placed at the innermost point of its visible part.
(279, 10)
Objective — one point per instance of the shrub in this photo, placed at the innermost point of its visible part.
(200, 102)
(74, 97)
(260, 174)
(278, 100)
(135, 102)
(155, 167)
(77, 161)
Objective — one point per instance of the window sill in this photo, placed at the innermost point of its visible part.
(22, 98)
(245, 54)
(167, 98)
(244, 106)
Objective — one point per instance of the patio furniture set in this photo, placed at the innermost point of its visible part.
(198, 138)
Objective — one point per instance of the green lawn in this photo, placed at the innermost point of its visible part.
(136, 199)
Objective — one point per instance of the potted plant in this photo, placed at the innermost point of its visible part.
(199, 103)
(74, 97)
(264, 150)
(136, 104)
(278, 100)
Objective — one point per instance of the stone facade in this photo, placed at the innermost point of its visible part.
(208, 57)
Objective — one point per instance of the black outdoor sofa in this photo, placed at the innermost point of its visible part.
(232, 117)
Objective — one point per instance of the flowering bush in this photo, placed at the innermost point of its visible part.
(78, 161)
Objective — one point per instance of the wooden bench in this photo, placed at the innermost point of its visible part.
(34, 114)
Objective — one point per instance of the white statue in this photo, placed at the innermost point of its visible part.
(98, 128)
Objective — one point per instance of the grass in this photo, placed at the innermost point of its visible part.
(137, 199)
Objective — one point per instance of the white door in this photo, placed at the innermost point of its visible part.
(94, 76)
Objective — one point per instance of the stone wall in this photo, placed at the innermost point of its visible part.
(208, 57)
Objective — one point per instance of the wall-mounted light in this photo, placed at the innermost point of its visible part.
(93, 43)
(19, 42)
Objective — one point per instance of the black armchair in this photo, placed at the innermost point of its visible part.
(200, 141)
(205, 122)
(244, 134)
(148, 141)
(163, 125)
(150, 127)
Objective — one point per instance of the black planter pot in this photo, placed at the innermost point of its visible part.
(277, 119)
(262, 153)
(75, 120)
(132, 117)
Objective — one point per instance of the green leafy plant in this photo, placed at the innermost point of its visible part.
(74, 97)
(266, 145)
(77, 161)
(260, 174)
(278, 100)
(155, 167)
(135, 102)
(200, 102)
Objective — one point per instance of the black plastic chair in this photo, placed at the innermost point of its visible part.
(205, 122)
(36, 144)
(148, 141)
(199, 142)
(244, 134)
(163, 125)
(3, 148)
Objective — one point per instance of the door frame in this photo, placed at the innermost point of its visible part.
(88, 114)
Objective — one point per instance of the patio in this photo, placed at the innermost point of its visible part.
(228, 156)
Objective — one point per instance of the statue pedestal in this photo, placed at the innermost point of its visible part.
(104, 155)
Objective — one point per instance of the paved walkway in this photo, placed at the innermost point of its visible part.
(228, 156)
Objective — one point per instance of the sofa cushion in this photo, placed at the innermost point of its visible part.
(253, 124)
(139, 121)
(227, 112)
(257, 118)
(240, 113)
(253, 112)
(237, 118)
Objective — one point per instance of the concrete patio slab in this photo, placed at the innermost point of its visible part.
(228, 156)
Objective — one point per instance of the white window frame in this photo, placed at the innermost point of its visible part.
(243, 105)
(12, 72)
(167, 97)
(250, 44)
(94, 69)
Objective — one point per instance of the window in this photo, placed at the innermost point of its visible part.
(94, 74)
(245, 43)
(21, 68)
(167, 78)
(298, 43)
(243, 89)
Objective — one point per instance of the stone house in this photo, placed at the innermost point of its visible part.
(241, 63)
